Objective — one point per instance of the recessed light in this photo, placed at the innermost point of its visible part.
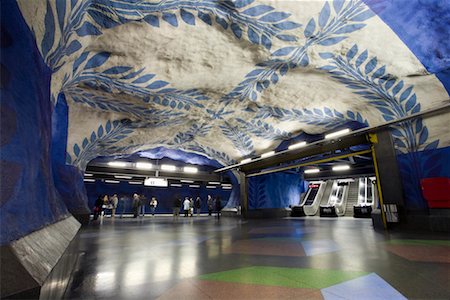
(337, 133)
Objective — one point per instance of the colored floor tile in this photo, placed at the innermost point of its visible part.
(279, 231)
(287, 277)
(275, 247)
(439, 254)
(420, 242)
(319, 247)
(200, 289)
(366, 287)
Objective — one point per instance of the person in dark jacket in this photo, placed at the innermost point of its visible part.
(198, 205)
(218, 207)
(98, 207)
(210, 204)
(176, 207)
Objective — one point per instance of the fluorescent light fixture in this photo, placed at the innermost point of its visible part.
(156, 181)
(135, 182)
(186, 181)
(267, 154)
(144, 166)
(168, 168)
(341, 168)
(337, 133)
(311, 171)
(89, 180)
(122, 177)
(210, 186)
(296, 146)
(112, 181)
(88, 175)
(190, 170)
(213, 182)
(176, 185)
(194, 186)
(246, 160)
(117, 164)
(227, 187)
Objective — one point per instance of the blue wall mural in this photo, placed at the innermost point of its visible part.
(279, 190)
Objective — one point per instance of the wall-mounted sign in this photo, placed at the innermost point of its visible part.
(156, 181)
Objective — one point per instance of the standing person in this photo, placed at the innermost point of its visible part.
(153, 204)
(210, 204)
(114, 203)
(142, 204)
(198, 205)
(191, 207)
(98, 207)
(105, 205)
(136, 202)
(122, 203)
(218, 206)
(176, 207)
(186, 205)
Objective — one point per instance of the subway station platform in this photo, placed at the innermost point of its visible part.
(206, 258)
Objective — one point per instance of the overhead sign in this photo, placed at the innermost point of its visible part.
(156, 181)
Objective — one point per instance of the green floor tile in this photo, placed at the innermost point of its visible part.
(286, 277)
(420, 242)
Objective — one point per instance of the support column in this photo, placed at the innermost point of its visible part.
(244, 194)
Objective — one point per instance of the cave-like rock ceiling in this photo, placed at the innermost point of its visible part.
(227, 79)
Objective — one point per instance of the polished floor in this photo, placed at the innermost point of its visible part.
(206, 258)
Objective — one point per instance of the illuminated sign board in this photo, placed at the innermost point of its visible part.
(313, 186)
(156, 181)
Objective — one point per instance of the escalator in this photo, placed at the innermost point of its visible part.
(337, 200)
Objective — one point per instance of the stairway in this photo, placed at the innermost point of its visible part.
(326, 194)
(352, 198)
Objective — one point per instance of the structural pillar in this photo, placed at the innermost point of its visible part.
(244, 193)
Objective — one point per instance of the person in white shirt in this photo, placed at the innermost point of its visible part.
(153, 204)
(186, 206)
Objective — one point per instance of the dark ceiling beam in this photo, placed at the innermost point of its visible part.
(365, 171)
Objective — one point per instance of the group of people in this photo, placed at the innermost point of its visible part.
(105, 203)
(190, 206)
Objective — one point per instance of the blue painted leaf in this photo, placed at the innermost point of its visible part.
(259, 86)
(274, 78)
(338, 114)
(187, 17)
(68, 159)
(416, 109)
(85, 143)
(222, 22)
(287, 25)
(365, 15)
(332, 41)
(257, 10)
(397, 88)
(108, 127)
(324, 15)
(254, 73)
(400, 143)
(304, 61)
(170, 18)
(242, 3)
(310, 28)
(380, 72)
(152, 20)
(397, 133)
(97, 60)
(103, 20)
(352, 52)
(389, 83)
(371, 65)
(266, 42)
(432, 146)
(205, 18)
(349, 28)
(284, 69)
(385, 111)
(49, 36)
(286, 37)
(423, 136)
(61, 12)
(351, 115)
(73, 47)
(76, 150)
(157, 84)
(88, 29)
(410, 103)
(326, 55)
(274, 17)
(100, 131)
(337, 4)
(237, 31)
(284, 51)
(361, 59)
(117, 70)
(359, 118)
(144, 78)
(419, 125)
(406, 94)
(253, 36)
(253, 96)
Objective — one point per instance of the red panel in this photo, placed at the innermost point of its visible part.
(436, 191)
